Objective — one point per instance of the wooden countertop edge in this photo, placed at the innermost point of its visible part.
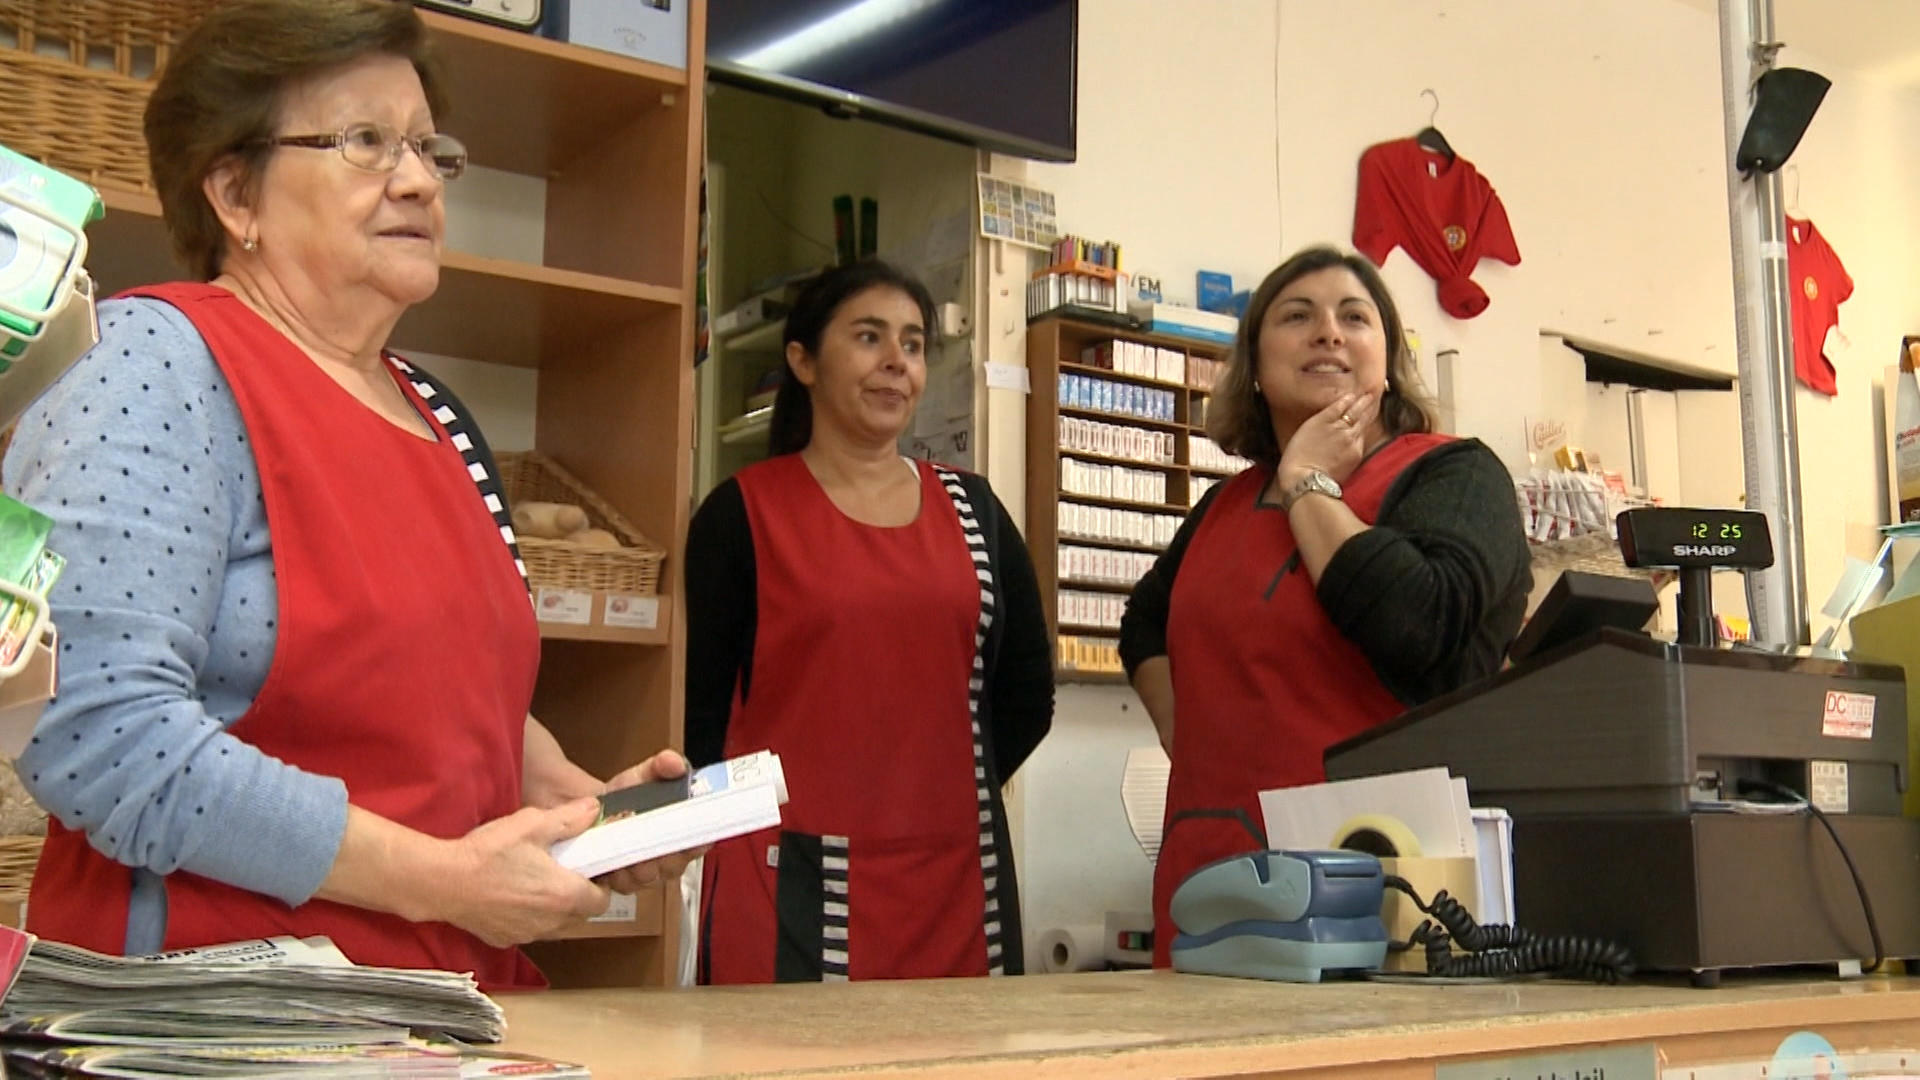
(1420, 1044)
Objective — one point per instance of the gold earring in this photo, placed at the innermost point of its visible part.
(250, 244)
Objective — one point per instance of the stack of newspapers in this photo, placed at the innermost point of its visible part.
(283, 1007)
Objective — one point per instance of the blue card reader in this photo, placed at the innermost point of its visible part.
(1292, 916)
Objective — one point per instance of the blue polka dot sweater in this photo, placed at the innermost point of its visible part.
(166, 615)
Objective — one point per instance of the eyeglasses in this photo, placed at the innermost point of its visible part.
(378, 148)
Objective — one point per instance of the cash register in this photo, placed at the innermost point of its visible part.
(1711, 808)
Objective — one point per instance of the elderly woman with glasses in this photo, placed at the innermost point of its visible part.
(297, 656)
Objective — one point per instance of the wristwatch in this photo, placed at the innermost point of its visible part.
(1314, 483)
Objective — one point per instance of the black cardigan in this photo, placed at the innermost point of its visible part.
(722, 600)
(1432, 594)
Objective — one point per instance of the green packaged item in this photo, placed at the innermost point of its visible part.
(37, 246)
(23, 536)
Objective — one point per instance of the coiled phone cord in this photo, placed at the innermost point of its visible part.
(1498, 950)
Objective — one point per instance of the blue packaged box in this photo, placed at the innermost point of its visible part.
(1215, 289)
(652, 30)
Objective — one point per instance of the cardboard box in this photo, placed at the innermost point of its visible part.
(1890, 634)
(1458, 876)
(651, 30)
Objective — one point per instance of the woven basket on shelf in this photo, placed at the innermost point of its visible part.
(76, 78)
(633, 569)
(18, 857)
(23, 827)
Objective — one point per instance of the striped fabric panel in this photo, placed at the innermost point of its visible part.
(976, 685)
(833, 931)
(453, 416)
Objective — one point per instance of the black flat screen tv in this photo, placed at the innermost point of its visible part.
(999, 74)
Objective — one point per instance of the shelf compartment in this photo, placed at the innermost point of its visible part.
(1076, 335)
(1105, 459)
(1123, 504)
(747, 428)
(762, 339)
(1096, 586)
(1074, 367)
(1124, 420)
(493, 310)
(1115, 545)
(1091, 678)
(535, 104)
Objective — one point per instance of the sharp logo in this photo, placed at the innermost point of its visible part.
(1703, 551)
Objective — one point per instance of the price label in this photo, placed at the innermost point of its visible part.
(571, 606)
(633, 612)
(623, 908)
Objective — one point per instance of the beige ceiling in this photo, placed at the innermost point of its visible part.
(1876, 38)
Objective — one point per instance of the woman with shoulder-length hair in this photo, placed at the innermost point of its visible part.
(875, 621)
(1362, 564)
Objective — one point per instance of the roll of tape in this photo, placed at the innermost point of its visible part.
(1379, 835)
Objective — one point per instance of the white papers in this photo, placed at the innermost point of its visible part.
(1494, 829)
(1143, 793)
(278, 991)
(1431, 805)
(724, 800)
(1008, 377)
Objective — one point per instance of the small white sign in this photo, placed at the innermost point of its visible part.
(571, 606)
(1829, 786)
(623, 908)
(1008, 377)
(633, 612)
(1847, 715)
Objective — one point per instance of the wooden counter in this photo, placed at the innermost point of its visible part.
(1139, 1024)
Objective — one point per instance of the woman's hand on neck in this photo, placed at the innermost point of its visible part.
(351, 331)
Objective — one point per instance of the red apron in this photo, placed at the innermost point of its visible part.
(864, 644)
(404, 657)
(1263, 682)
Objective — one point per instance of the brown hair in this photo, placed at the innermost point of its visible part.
(791, 428)
(220, 94)
(1237, 416)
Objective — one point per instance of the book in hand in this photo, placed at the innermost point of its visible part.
(648, 821)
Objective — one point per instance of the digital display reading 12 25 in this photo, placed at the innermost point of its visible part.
(1687, 538)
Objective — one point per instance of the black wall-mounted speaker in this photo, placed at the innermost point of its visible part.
(1784, 103)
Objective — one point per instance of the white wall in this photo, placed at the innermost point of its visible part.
(1227, 135)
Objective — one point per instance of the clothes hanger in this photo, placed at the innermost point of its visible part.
(1793, 191)
(1429, 137)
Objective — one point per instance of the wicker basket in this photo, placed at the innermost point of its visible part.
(633, 569)
(19, 855)
(76, 78)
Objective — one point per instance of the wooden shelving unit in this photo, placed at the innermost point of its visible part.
(607, 318)
(1054, 348)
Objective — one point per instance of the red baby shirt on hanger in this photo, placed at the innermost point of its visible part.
(1819, 285)
(1441, 210)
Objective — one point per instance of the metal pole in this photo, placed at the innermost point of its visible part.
(1637, 445)
(1777, 596)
